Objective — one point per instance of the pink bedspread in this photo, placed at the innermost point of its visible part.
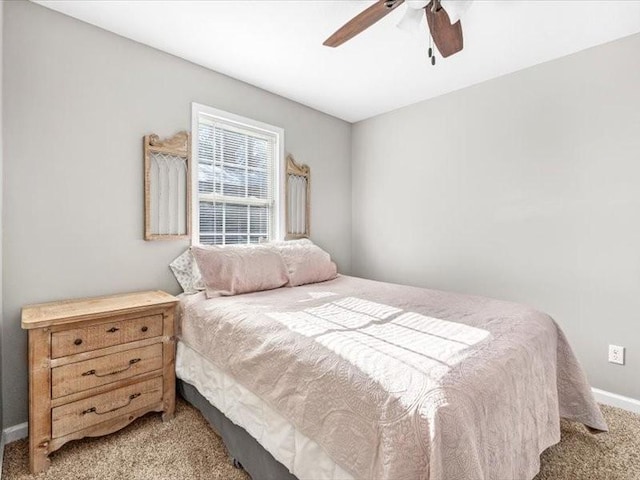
(396, 382)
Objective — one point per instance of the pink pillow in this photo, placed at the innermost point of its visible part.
(234, 269)
(306, 262)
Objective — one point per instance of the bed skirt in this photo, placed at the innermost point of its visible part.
(255, 460)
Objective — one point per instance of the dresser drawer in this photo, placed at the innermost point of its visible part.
(80, 376)
(82, 414)
(83, 339)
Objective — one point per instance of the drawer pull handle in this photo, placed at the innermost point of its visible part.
(95, 410)
(144, 329)
(133, 361)
(77, 341)
(112, 330)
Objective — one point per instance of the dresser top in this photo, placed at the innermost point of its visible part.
(48, 314)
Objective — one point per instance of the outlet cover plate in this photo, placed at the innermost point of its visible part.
(616, 354)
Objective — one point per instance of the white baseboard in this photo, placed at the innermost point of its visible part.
(615, 400)
(11, 434)
(17, 432)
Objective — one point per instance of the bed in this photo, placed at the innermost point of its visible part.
(357, 379)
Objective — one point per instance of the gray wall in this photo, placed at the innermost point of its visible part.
(1, 226)
(526, 187)
(77, 102)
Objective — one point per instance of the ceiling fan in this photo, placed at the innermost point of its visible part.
(445, 28)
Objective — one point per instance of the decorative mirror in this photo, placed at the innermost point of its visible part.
(298, 183)
(167, 189)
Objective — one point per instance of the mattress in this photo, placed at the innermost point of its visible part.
(394, 382)
(302, 456)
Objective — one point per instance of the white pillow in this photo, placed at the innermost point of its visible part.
(306, 262)
(186, 271)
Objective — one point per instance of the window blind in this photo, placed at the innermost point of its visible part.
(235, 182)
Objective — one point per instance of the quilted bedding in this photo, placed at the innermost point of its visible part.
(398, 382)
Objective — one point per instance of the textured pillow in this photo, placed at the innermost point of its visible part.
(234, 269)
(288, 243)
(187, 274)
(306, 262)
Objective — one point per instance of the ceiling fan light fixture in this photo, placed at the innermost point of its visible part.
(412, 20)
(456, 8)
(417, 4)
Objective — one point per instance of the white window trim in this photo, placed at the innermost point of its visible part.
(279, 170)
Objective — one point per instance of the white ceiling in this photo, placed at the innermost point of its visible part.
(277, 45)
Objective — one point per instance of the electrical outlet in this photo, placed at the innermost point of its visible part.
(616, 354)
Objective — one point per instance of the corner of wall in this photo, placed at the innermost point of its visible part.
(1, 217)
(350, 271)
(1, 226)
(352, 150)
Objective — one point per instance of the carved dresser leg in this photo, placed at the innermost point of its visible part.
(39, 400)
(38, 458)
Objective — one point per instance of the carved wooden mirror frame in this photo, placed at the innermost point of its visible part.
(167, 187)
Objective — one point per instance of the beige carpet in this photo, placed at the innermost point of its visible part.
(186, 448)
(606, 456)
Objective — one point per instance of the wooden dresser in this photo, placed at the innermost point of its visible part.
(95, 365)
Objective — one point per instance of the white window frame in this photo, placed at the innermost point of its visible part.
(197, 109)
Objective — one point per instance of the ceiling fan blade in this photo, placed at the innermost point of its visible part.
(362, 21)
(447, 37)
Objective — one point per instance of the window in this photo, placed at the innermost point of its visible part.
(236, 177)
